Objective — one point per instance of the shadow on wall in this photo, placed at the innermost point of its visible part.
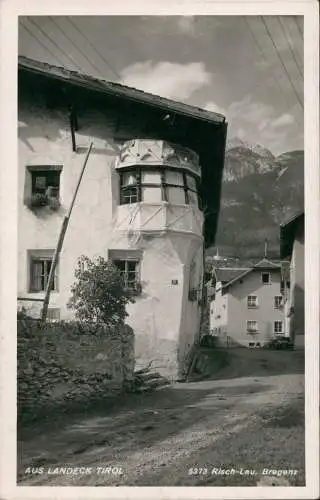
(299, 308)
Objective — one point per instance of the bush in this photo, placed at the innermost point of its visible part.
(23, 314)
(98, 295)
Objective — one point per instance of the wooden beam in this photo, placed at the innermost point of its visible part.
(60, 241)
(73, 127)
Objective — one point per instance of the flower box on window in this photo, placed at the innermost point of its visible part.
(39, 200)
(53, 203)
(44, 187)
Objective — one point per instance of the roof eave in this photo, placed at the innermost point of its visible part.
(130, 93)
(287, 235)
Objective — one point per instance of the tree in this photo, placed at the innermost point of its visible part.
(98, 294)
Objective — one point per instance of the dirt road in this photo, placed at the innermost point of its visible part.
(185, 434)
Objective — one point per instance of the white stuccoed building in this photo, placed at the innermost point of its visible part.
(140, 202)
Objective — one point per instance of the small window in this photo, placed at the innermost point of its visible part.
(151, 194)
(129, 195)
(252, 326)
(44, 181)
(45, 186)
(173, 177)
(278, 301)
(265, 277)
(278, 327)
(150, 177)
(158, 184)
(176, 195)
(129, 270)
(252, 301)
(129, 178)
(40, 266)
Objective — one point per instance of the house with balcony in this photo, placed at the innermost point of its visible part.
(292, 249)
(149, 200)
(247, 307)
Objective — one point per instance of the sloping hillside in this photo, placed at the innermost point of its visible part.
(259, 192)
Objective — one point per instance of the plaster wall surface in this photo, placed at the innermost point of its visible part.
(219, 312)
(265, 314)
(164, 320)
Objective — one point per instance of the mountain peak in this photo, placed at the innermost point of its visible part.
(258, 149)
(258, 193)
(244, 159)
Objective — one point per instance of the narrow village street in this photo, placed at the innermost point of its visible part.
(161, 438)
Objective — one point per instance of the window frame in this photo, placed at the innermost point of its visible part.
(269, 278)
(255, 305)
(46, 171)
(275, 305)
(41, 256)
(250, 331)
(129, 256)
(274, 327)
(163, 185)
(51, 192)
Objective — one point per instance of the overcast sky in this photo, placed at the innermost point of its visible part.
(248, 68)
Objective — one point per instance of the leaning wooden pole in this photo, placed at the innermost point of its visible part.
(60, 241)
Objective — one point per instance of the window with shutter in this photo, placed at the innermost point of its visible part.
(39, 266)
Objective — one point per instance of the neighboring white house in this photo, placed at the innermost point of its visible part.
(139, 202)
(292, 247)
(247, 308)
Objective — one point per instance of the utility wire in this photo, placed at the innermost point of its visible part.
(297, 24)
(295, 32)
(288, 38)
(56, 45)
(40, 42)
(260, 49)
(282, 63)
(78, 48)
(93, 47)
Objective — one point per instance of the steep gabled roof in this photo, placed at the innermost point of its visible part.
(118, 90)
(262, 265)
(200, 130)
(287, 234)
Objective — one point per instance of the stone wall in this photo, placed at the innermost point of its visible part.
(67, 362)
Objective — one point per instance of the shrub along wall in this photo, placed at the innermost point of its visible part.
(64, 364)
